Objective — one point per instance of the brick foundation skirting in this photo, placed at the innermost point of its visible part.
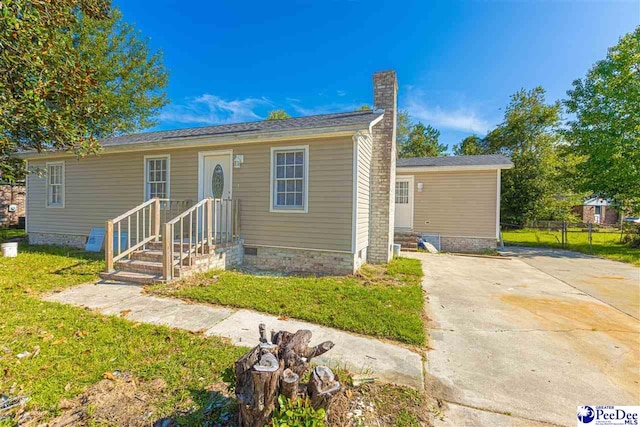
(466, 244)
(301, 260)
(57, 239)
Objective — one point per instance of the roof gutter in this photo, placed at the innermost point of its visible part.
(213, 140)
(453, 168)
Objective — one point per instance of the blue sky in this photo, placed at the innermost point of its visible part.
(457, 61)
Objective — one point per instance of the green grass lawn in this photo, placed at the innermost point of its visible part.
(11, 233)
(382, 301)
(74, 347)
(605, 244)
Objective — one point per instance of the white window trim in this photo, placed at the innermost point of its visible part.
(272, 181)
(145, 193)
(64, 186)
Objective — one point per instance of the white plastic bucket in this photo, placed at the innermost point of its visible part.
(10, 249)
(396, 249)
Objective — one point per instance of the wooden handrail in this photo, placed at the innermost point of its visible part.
(134, 210)
(143, 231)
(134, 248)
(187, 212)
(206, 223)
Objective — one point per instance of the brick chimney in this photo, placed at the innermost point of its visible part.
(383, 168)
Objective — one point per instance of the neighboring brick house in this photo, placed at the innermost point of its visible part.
(598, 211)
(12, 204)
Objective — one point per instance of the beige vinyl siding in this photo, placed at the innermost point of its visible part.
(363, 185)
(102, 187)
(455, 203)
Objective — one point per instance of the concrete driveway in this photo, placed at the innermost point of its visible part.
(513, 345)
(612, 282)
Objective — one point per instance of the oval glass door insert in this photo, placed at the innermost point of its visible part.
(217, 182)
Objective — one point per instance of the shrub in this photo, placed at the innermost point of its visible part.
(297, 413)
(634, 243)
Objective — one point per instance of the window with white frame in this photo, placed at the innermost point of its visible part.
(55, 184)
(289, 180)
(157, 177)
(402, 192)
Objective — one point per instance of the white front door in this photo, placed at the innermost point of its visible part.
(404, 203)
(215, 176)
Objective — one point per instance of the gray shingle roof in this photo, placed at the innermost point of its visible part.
(482, 160)
(298, 123)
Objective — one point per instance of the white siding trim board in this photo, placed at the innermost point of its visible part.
(354, 198)
(498, 185)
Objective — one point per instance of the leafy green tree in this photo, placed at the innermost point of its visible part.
(533, 189)
(470, 146)
(278, 115)
(606, 127)
(364, 107)
(403, 127)
(422, 141)
(72, 72)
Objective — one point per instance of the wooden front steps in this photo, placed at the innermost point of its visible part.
(408, 240)
(145, 266)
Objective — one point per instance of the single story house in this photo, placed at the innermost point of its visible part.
(310, 194)
(452, 201)
(597, 211)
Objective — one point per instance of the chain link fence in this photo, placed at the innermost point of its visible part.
(570, 235)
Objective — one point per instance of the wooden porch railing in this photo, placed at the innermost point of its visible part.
(209, 222)
(142, 225)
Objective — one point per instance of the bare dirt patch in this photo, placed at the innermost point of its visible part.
(119, 399)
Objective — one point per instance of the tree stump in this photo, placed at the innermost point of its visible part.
(322, 387)
(274, 368)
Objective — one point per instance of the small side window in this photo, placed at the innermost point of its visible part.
(55, 185)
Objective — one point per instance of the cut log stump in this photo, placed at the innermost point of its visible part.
(275, 368)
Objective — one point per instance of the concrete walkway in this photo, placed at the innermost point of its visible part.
(384, 361)
(513, 345)
(613, 282)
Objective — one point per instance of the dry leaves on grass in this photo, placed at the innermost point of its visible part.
(381, 405)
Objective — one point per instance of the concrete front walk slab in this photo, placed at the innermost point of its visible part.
(613, 282)
(387, 362)
(510, 339)
(381, 360)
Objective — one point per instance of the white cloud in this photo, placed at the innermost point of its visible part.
(341, 93)
(461, 119)
(323, 109)
(210, 109)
